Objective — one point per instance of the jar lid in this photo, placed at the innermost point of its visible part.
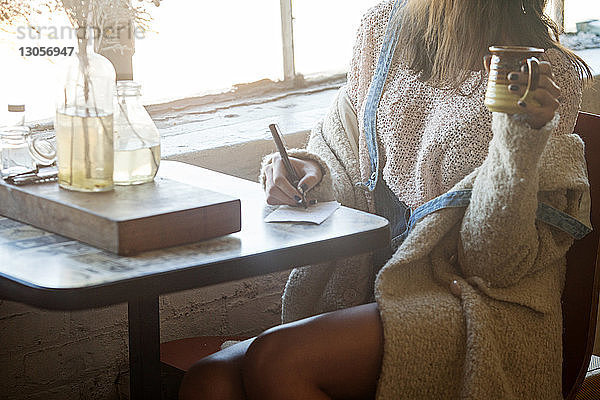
(16, 108)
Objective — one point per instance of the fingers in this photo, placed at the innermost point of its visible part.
(275, 195)
(487, 60)
(545, 68)
(546, 84)
(311, 175)
(546, 100)
(522, 75)
(546, 79)
(546, 93)
(280, 190)
(281, 179)
(548, 105)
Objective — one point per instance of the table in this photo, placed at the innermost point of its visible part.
(49, 271)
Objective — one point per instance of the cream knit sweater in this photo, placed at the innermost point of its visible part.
(497, 333)
(431, 138)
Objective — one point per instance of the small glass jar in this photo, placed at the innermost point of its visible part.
(15, 142)
(22, 151)
(137, 140)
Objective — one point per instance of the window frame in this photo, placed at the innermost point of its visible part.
(123, 61)
(124, 65)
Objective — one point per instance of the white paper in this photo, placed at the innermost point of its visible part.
(315, 214)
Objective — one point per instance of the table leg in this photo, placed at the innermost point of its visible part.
(144, 349)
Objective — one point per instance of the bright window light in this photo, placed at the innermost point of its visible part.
(578, 11)
(324, 33)
(202, 47)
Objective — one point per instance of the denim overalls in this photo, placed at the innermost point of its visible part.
(400, 216)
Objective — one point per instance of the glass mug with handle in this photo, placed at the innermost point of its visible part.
(506, 59)
(23, 153)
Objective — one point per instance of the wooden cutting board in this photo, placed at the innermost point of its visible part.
(128, 220)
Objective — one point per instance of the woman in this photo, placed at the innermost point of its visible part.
(469, 304)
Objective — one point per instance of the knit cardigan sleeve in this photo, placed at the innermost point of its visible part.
(500, 237)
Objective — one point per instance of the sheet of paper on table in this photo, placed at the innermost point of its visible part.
(315, 214)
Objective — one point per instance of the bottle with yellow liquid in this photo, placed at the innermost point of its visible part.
(137, 140)
(84, 120)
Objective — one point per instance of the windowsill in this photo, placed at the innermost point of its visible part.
(198, 124)
(229, 132)
(220, 129)
(192, 125)
(240, 115)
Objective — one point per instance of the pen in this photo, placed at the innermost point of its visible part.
(293, 176)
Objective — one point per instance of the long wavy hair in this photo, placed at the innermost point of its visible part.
(445, 40)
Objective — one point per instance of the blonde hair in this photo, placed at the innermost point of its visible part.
(445, 40)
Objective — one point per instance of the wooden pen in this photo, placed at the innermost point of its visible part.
(292, 175)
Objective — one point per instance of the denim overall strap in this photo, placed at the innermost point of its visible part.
(562, 221)
(462, 198)
(373, 98)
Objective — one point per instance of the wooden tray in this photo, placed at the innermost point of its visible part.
(128, 220)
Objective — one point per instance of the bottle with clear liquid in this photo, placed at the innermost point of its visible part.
(137, 140)
(84, 120)
(15, 141)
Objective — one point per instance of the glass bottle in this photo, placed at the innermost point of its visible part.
(137, 140)
(15, 142)
(15, 115)
(84, 120)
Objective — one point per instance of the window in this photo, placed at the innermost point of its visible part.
(209, 46)
(324, 33)
(194, 48)
(578, 11)
(199, 47)
(580, 32)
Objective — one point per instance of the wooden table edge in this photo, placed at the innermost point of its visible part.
(71, 299)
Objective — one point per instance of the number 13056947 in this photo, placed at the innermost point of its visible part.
(46, 51)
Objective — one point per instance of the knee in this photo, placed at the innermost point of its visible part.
(269, 363)
(211, 379)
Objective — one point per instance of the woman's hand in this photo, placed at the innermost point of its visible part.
(547, 93)
(278, 188)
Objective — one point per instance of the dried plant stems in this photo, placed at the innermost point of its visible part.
(92, 19)
(101, 15)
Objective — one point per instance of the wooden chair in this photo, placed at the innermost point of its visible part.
(580, 296)
(178, 356)
(579, 300)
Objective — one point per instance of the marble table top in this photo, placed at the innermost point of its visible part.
(48, 270)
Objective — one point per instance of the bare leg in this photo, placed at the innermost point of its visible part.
(335, 355)
(216, 377)
(331, 356)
